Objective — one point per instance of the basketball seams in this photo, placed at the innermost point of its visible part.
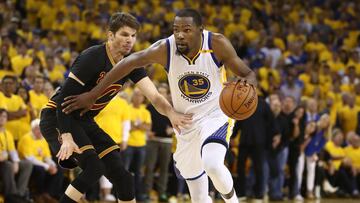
(223, 104)
(234, 111)
(251, 109)
(232, 95)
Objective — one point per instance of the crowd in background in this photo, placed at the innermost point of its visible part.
(303, 140)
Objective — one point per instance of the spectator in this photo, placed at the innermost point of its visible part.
(14, 173)
(158, 149)
(114, 119)
(19, 122)
(338, 165)
(47, 176)
(5, 66)
(315, 140)
(256, 135)
(136, 151)
(276, 182)
(291, 87)
(37, 97)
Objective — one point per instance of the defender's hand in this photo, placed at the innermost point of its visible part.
(180, 120)
(82, 101)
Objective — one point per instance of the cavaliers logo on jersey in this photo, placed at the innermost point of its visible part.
(194, 86)
(106, 96)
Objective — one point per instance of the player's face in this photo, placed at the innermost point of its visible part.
(187, 34)
(124, 39)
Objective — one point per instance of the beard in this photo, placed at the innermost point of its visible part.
(182, 49)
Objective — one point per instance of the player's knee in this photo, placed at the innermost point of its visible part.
(92, 165)
(211, 167)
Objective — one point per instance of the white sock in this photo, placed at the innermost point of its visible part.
(213, 155)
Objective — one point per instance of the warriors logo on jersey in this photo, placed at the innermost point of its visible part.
(194, 86)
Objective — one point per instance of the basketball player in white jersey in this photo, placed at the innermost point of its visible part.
(194, 60)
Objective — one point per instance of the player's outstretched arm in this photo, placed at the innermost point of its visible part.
(154, 54)
(225, 53)
(162, 105)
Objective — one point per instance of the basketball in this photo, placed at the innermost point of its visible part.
(238, 100)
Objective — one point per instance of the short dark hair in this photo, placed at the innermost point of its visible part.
(2, 110)
(11, 77)
(121, 19)
(189, 12)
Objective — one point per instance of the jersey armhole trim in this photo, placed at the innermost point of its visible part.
(167, 56)
(219, 64)
(71, 75)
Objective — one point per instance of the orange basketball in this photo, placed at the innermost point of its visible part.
(238, 100)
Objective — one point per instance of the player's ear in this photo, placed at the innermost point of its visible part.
(201, 28)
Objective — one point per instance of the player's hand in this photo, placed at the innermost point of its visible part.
(68, 147)
(179, 120)
(244, 81)
(82, 101)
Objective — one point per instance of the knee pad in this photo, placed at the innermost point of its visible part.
(122, 179)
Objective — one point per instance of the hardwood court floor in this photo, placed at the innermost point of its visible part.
(305, 201)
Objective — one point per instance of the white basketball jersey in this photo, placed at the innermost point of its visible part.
(195, 84)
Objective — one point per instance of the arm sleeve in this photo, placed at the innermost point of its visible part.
(137, 74)
(50, 162)
(14, 156)
(126, 130)
(34, 161)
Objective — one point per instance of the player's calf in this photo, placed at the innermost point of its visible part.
(122, 179)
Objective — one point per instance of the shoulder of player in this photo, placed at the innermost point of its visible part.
(217, 40)
(94, 50)
(221, 46)
(160, 44)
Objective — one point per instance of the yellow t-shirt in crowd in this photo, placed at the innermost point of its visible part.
(111, 118)
(6, 141)
(354, 155)
(29, 146)
(138, 137)
(56, 76)
(2, 101)
(20, 62)
(6, 72)
(47, 16)
(348, 118)
(38, 101)
(17, 127)
(334, 150)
